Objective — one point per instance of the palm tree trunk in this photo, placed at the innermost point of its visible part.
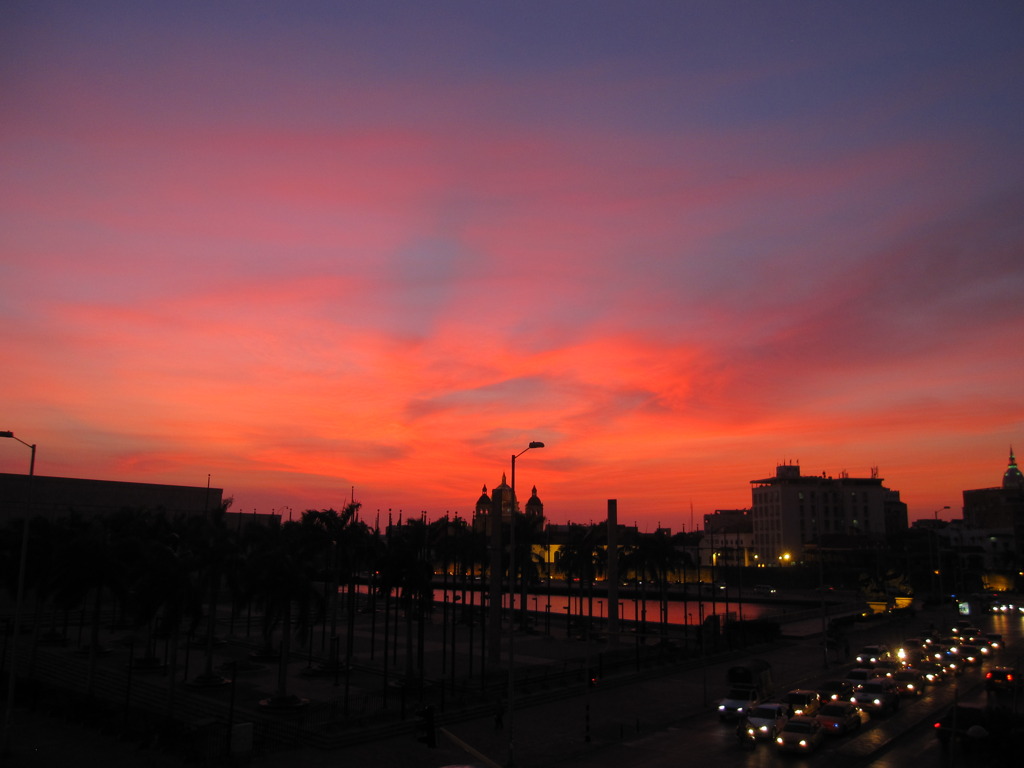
(94, 641)
(282, 666)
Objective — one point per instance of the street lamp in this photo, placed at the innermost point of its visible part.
(936, 584)
(20, 598)
(512, 600)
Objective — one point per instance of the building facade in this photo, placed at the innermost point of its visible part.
(993, 521)
(791, 513)
(728, 539)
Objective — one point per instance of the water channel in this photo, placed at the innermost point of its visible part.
(694, 609)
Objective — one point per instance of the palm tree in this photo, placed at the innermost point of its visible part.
(281, 577)
(214, 547)
(655, 557)
(407, 570)
(581, 558)
(91, 563)
(527, 563)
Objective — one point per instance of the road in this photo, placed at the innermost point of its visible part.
(903, 739)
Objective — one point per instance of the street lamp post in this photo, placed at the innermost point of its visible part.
(936, 582)
(20, 595)
(512, 603)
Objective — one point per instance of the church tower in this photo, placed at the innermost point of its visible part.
(1013, 480)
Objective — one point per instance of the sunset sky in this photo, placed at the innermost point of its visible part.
(302, 247)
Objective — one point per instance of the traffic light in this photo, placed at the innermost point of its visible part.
(425, 730)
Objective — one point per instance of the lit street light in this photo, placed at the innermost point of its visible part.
(20, 598)
(512, 602)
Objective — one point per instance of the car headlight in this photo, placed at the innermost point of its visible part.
(803, 742)
(779, 740)
(877, 702)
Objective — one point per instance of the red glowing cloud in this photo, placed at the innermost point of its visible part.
(300, 259)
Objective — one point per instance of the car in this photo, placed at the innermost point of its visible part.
(870, 655)
(887, 667)
(968, 635)
(913, 658)
(994, 640)
(857, 677)
(803, 702)
(764, 589)
(1002, 679)
(836, 690)
(947, 657)
(837, 718)
(878, 696)
(971, 655)
(767, 719)
(800, 734)
(910, 682)
(932, 672)
(737, 702)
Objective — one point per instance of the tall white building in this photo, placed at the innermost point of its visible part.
(791, 511)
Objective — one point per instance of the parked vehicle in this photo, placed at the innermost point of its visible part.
(800, 734)
(838, 718)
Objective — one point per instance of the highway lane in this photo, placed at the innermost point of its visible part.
(895, 741)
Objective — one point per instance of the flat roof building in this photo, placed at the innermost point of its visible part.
(55, 497)
(791, 511)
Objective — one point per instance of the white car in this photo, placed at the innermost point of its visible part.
(870, 655)
(737, 702)
(878, 696)
(766, 720)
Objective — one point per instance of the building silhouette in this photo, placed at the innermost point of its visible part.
(992, 530)
(55, 497)
(792, 513)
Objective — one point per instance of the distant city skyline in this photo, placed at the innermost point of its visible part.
(308, 247)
